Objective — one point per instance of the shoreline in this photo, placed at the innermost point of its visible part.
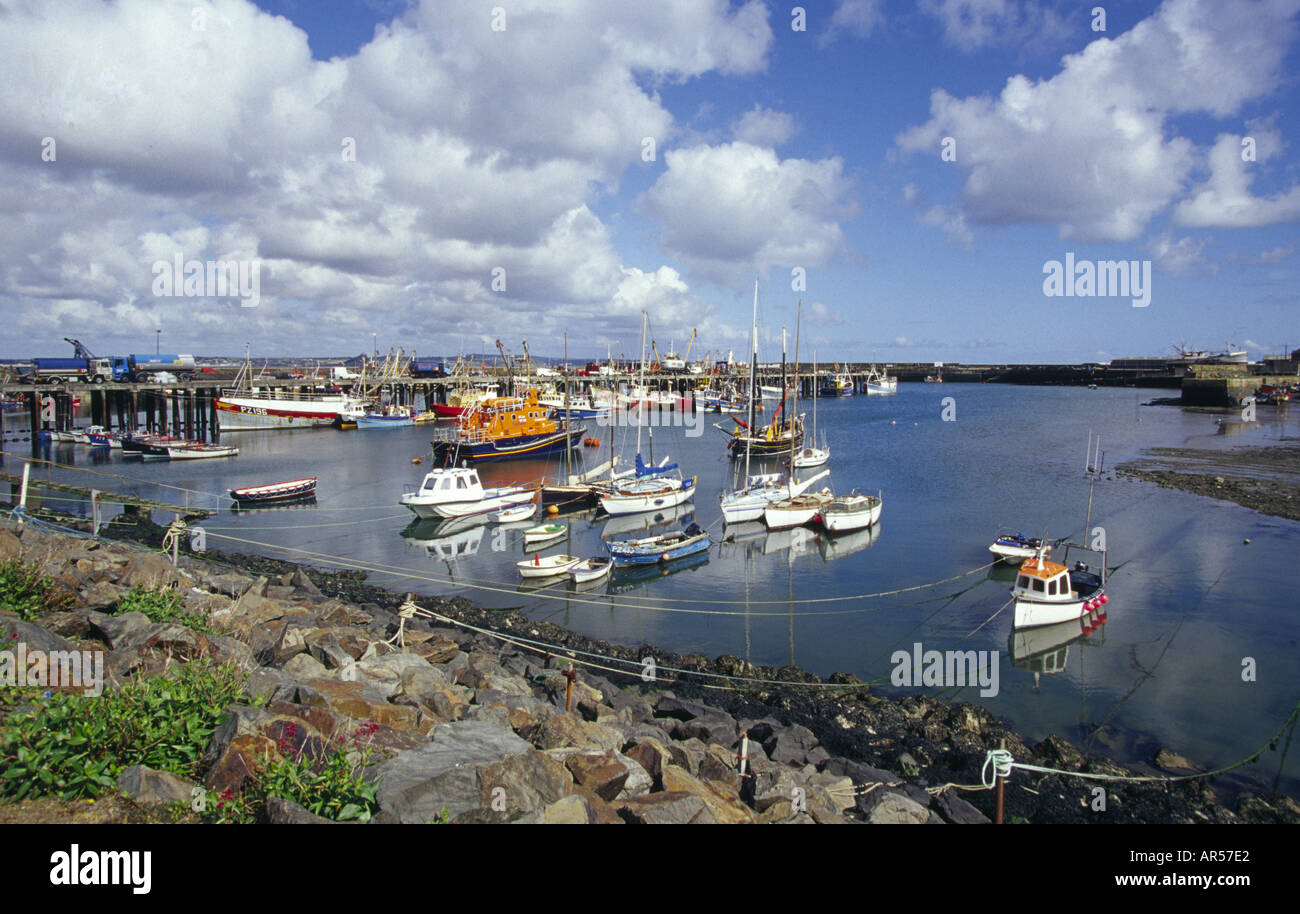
(1264, 478)
(919, 742)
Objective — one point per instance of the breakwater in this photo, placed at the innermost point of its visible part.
(465, 718)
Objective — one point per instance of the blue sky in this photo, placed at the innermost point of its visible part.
(144, 129)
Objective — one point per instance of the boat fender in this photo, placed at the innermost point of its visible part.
(1103, 599)
(537, 558)
(416, 461)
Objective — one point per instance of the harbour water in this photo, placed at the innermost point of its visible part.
(1192, 605)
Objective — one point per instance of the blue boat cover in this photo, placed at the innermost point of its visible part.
(643, 470)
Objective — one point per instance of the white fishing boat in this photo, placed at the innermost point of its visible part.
(796, 511)
(457, 492)
(1047, 593)
(851, 512)
(245, 407)
(592, 569)
(878, 382)
(547, 566)
(1015, 549)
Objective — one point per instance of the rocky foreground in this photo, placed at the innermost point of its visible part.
(466, 728)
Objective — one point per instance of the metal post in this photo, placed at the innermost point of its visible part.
(94, 512)
(997, 818)
(176, 546)
(570, 674)
(22, 501)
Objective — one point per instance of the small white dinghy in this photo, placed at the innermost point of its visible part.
(592, 569)
(544, 533)
(551, 565)
(515, 514)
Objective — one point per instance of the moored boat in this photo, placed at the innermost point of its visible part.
(592, 569)
(1015, 549)
(1047, 593)
(276, 491)
(797, 510)
(515, 514)
(547, 566)
(457, 492)
(541, 534)
(200, 451)
(657, 549)
(501, 428)
(850, 512)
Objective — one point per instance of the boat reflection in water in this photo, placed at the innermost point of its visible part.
(451, 539)
(630, 577)
(623, 524)
(837, 546)
(307, 501)
(1043, 650)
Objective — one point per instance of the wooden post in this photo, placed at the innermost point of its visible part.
(570, 674)
(176, 544)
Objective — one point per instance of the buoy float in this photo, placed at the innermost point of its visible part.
(552, 509)
(416, 461)
(1103, 599)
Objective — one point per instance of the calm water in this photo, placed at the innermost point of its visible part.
(1189, 600)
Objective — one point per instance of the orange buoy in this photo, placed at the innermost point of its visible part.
(552, 509)
(416, 461)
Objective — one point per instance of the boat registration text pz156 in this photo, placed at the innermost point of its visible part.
(253, 410)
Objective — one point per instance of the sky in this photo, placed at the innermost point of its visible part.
(899, 178)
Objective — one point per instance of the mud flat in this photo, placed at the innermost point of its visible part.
(1264, 479)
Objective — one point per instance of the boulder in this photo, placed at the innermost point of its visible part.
(666, 808)
(600, 773)
(896, 809)
(722, 802)
(119, 631)
(304, 666)
(150, 569)
(563, 731)
(959, 811)
(151, 788)
(100, 596)
(355, 701)
(417, 785)
(280, 811)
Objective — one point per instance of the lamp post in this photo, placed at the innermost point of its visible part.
(157, 342)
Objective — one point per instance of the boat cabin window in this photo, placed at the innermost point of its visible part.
(460, 483)
(1023, 583)
(446, 483)
(1038, 585)
(1051, 588)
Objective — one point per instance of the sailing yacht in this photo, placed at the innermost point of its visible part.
(653, 487)
(814, 456)
(752, 500)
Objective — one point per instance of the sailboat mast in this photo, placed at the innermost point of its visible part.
(814, 379)
(640, 405)
(794, 405)
(753, 379)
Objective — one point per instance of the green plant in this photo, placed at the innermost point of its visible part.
(331, 787)
(162, 604)
(443, 818)
(72, 745)
(28, 593)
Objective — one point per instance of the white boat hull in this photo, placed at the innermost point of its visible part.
(811, 457)
(236, 413)
(490, 504)
(548, 567)
(783, 518)
(844, 521)
(1032, 613)
(586, 572)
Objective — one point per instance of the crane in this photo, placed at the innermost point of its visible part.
(654, 366)
(81, 351)
(510, 381)
(528, 361)
(686, 359)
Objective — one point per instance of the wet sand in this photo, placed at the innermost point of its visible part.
(1264, 479)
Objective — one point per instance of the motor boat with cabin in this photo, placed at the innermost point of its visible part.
(457, 492)
(1048, 593)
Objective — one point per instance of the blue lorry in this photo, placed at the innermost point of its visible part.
(92, 369)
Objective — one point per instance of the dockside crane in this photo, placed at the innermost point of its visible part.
(510, 371)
